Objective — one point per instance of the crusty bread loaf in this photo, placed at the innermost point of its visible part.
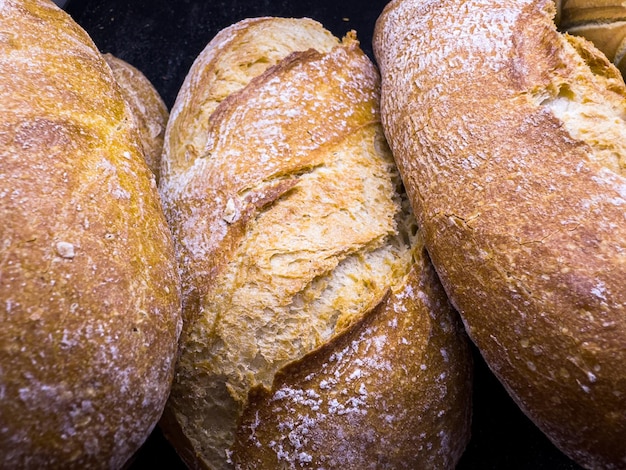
(149, 110)
(296, 249)
(89, 290)
(235, 56)
(392, 392)
(510, 139)
(603, 22)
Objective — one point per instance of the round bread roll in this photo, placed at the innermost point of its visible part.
(148, 108)
(316, 332)
(89, 288)
(602, 22)
(511, 140)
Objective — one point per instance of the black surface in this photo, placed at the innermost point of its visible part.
(162, 38)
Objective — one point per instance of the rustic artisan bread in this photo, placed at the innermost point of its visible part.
(510, 139)
(89, 290)
(391, 392)
(316, 333)
(148, 108)
(603, 22)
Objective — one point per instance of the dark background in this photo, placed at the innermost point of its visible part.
(162, 38)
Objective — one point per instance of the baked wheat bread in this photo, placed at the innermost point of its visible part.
(603, 22)
(316, 333)
(89, 289)
(510, 139)
(150, 112)
(392, 392)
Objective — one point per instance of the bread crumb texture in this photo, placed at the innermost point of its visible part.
(89, 291)
(510, 139)
(284, 200)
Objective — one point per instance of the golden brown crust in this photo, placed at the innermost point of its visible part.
(90, 298)
(602, 22)
(500, 134)
(392, 392)
(235, 56)
(148, 108)
(288, 219)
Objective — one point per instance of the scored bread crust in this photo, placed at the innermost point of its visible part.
(509, 137)
(283, 199)
(390, 393)
(149, 110)
(89, 290)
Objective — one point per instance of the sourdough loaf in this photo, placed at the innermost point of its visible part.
(311, 338)
(149, 110)
(510, 139)
(89, 289)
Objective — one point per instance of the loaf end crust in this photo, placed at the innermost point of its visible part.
(286, 205)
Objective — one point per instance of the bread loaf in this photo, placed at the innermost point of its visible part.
(603, 22)
(316, 333)
(147, 106)
(510, 139)
(392, 392)
(89, 288)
